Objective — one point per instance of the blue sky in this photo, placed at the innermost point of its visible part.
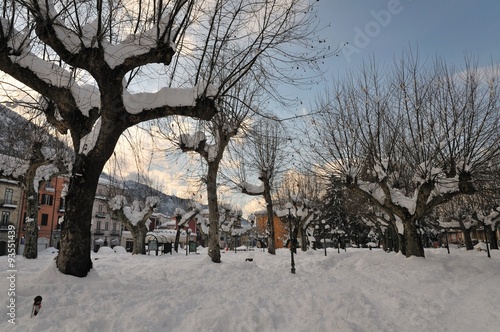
(383, 28)
(445, 28)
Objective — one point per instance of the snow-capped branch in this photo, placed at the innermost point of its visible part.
(135, 214)
(73, 43)
(250, 189)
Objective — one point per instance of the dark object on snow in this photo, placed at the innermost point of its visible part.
(249, 260)
(37, 305)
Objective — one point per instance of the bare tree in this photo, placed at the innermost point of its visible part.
(77, 56)
(412, 139)
(264, 152)
(247, 52)
(88, 59)
(134, 218)
(221, 129)
(304, 191)
(37, 157)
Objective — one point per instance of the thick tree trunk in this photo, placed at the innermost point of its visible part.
(177, 238)
(31, 240)
(492, 235)
(467, 238)
(303, 239)
(36, 160)
(31, 237)
(271, 245)
(413, 243)
(401, 243)
(139, 237)
(386, 245)
(391, 239)
(213, 213)
(75, 246)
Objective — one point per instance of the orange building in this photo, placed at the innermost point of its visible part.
(280, 228)
(51, 208)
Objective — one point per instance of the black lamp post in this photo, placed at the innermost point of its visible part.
(289, 206)
(325, 227)
(188, 232)
(486, 238)
(321, 227)
(251, 218)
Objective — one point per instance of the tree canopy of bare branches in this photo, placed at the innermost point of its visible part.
(411, 138)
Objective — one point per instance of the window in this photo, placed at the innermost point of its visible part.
(114, 226)
(101, 208)
(106, 226)
(47, 199)
(98, 225)
(48, 185)
(9, 193)
(45, 219)
(5, 218)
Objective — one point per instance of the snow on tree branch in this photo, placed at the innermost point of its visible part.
(173, 97)
(192, 141)
(117, 202)
(198, 142)
(88, 36)
(44, 173)
(12, 167)
(135, 213)
(251, 189)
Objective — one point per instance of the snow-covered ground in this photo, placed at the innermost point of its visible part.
(357, 290)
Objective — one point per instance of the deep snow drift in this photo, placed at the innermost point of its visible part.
(357, 290)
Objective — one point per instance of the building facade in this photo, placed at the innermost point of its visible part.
(10, 205)
(50, 211)
(280, 229)
(105, 230)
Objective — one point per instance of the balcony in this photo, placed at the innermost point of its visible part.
(98, 232)
(9, 204)
(115, 233)
(100, 214)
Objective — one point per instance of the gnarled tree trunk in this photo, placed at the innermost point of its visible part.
(413, 243)
(493, 238)
(75, 246)
(139, 238)
(271, 246)
(467, 237)
(213, 212)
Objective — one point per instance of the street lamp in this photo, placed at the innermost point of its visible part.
(322, 227)
(188, 232)
(486, 238)
(289, 206)
(325, 227)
